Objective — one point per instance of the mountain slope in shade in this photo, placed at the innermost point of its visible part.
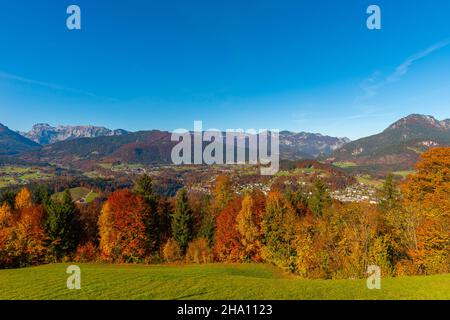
(149, 147)
(12, 143)
(400, 144)
(146, 147)
(44, 134)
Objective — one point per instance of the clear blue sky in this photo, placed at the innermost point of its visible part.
(297, 65)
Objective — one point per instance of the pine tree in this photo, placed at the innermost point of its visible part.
(8, 196)
(320, 198)
(389, 196)
(182, 221)
(298, 200)
(40, 195)
(144, 188)
(62, 226)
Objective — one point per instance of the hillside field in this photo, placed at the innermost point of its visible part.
(78, 194)
(214, 281)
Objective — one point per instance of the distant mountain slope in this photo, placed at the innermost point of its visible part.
(139, 147)
(155, 147)
(44, 134)
(305, 145)
(400, 144)
(12, 143)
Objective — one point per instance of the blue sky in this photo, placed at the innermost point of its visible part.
(297, 65)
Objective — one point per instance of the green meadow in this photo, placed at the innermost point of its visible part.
(78, 194)
(16, 175)
(213, 281)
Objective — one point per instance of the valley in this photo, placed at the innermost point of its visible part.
(99, 157)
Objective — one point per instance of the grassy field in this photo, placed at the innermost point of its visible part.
(370, 181)
(79, 193)
(404, 174)
(215, 281)
(345, 164)
(12, 175)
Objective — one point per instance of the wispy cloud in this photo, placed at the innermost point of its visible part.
(53, 86)
(376, 81)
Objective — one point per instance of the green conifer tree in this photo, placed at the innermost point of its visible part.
(62, 226)
(182, 221)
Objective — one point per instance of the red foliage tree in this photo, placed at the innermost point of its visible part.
(228, 246)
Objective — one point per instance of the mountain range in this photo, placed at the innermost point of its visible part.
(43, 133)
(399, 146)
(306, 145)
(293, 145)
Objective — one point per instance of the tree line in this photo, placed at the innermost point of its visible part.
(301, 230)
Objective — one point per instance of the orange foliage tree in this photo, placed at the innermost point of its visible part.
(228, 245)
(122, 227)
(427, 192)
(22, 236)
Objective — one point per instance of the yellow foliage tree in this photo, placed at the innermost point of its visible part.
(222, 193)
(172, 251)
(279, 228)
(248, 224)
(198, 251)
(5, 216)
(106, 229)
(23, 199)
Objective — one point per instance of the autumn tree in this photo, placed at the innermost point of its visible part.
(30, 235)
(88, 217)
(6, 221)
(198, 251)
(222, 193)
(427, 191)
(23, 199)
(172, 251)
(353, 228)
(279, 228)
(182, 221)
(22, 237)
(199, 203)
(227, 246)
(5, 216)
(249, 225)
(122, 229)
(312, 258)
